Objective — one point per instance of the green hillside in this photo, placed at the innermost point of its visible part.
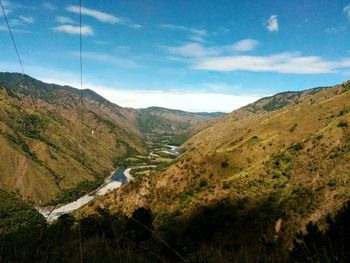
(46, 150)
(250, 181)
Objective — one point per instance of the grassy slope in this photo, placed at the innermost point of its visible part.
(40, 149)
(254, 178)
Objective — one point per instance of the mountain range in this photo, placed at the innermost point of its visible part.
(52, 141)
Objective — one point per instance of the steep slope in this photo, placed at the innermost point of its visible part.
(44, 150)
(252, 179)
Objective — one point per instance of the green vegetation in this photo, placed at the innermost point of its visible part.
(281, 100)
(343, 124)
(16, 214)
(292, 129)
(250, 181)
(32, 125)
(344, 111)
(44, 145)
(97, 238)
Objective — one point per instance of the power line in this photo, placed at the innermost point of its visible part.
(82, 115)
(17, 52)
(81, 80)
(160, 239)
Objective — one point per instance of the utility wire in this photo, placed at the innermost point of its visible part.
(18, 55)
(81, 80)
(82, 117)
(160, 239)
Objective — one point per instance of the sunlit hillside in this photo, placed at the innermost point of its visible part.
(261, 173)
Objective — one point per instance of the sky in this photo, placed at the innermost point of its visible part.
(194, 55)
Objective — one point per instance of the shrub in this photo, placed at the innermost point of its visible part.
(224, 164)
(343, 124)
(292, 129)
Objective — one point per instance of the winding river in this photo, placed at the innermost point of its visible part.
(118, 178)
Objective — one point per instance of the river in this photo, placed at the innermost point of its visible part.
(118, 178)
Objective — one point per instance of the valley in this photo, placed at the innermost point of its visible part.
(121, 176)
(254, 181)
(46, 160)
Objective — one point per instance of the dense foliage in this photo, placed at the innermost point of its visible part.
(15, 214)
(97, 238)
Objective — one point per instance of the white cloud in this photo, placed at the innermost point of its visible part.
(105, 58)
(188, 101)
(10, 6)
(184, 28)
(334, 30)
(287, 62)
(27, 19)
(75, 30)
(135, 26)
(197, 35)
(198, 50)
(102, 16)
(48, 6)
(182, 100)
(226, 59)
(245, 45)
(4, 28)
(272, 24)
(65, 20)
(346, 10)
(7, 7)
(193, 50)
(103, 43)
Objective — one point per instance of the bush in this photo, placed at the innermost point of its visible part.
(224, 164)
(342, 124)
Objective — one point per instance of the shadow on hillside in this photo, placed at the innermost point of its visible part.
(221, 232)
(331, 245)
(225, 231)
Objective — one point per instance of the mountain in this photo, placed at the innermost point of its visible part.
(251, 180)
(45, 154)
(170, 122)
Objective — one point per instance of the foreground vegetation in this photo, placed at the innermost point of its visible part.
(106, 237)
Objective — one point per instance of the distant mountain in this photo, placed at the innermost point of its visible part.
(167, 121)
(251, 180)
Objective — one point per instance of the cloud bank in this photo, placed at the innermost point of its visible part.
(183, 100)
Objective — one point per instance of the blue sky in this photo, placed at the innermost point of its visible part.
(198, 55)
